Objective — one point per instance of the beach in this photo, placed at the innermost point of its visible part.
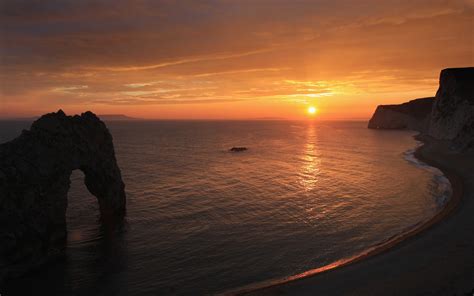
(434, 259)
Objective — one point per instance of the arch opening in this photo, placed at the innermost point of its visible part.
(83, 211)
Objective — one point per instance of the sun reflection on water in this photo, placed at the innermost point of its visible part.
(310, 169)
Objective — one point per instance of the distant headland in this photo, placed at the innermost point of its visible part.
(116, 117)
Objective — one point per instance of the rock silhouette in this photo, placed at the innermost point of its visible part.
(238, 149)
(34, 181)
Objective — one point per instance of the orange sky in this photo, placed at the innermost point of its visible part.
(227, 59)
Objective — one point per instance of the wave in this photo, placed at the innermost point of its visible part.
(442, 189)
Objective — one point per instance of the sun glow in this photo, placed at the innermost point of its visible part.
(312, 110)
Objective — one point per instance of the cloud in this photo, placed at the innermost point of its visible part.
(69, 89)
(213, 57)
(146, 52)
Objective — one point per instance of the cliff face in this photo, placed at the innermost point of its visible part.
(464, 140)
(414, 115)
(34, 180)
(453, 110)
(450, 116)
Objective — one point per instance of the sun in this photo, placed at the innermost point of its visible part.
(312, 110)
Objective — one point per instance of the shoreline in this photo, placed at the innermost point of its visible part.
(418, 230)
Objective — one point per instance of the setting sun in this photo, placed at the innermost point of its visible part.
(312, 110)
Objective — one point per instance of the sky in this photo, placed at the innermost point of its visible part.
(227, 59)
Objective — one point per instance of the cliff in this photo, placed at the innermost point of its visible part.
(453, 111)
(450, 117)
(34, 181)
(414, 115)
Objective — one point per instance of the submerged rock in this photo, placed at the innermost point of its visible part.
(414, 115)
(238, 149)
(34, 181)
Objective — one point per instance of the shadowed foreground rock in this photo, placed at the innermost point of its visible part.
(34, 181)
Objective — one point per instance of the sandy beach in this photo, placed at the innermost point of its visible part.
(436, 258)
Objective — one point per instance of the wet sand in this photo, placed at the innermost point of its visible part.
(436, 258)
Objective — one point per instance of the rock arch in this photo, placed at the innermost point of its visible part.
(35, 171)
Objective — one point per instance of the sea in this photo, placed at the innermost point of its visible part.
(202, 220)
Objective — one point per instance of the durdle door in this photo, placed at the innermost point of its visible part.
(34, 181)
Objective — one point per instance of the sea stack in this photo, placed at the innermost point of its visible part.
(34, 181)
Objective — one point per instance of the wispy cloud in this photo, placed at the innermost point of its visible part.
(213, 57)
(241, 71)
(69, 89)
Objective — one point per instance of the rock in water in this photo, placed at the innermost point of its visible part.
(414, 115)
(34, 181)
(237, 149)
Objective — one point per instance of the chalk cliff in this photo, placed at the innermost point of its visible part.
(453, 108)
(414, 115)
(34, 180)
(449, 116)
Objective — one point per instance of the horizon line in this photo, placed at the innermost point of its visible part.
(33, 118)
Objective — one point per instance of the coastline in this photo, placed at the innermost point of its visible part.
(363, 268)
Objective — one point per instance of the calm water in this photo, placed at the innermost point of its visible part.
(202, 220)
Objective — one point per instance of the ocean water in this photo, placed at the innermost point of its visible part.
(202, 220)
